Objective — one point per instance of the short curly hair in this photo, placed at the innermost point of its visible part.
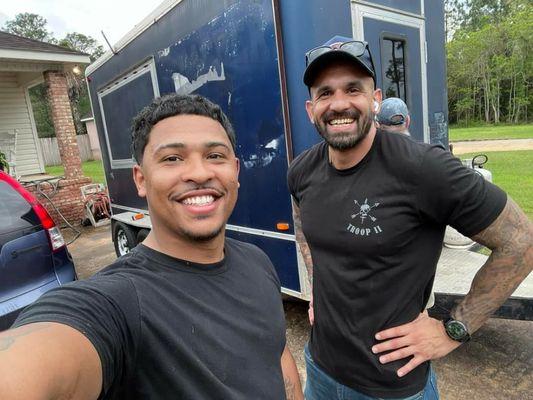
(169, 106)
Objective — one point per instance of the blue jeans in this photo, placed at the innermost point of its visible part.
(320, 386)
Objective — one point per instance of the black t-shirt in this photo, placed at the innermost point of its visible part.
(375, 232)
(171, 329)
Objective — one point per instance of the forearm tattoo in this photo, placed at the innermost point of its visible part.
(510, 239)
(290, 388)
(302, 244)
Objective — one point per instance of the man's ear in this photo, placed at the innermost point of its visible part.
(408, 122)
(309, 108)
(238, 163)
(140, 182)
(378, 98)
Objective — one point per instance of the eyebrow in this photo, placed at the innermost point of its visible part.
(179, 145)
(358, 83)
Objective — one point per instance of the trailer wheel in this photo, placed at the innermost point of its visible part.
(123, 238)
(141, 235)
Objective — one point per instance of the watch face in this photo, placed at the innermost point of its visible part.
(456, 330)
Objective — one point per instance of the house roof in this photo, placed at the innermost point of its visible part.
(14, 42)
(17, 51)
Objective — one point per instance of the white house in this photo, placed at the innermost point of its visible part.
(23, 64)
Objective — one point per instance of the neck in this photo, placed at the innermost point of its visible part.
(344, 159)
(202, 252)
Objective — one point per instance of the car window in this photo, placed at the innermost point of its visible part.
(15, 211)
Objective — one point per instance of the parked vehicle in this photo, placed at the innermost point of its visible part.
(33, 254)
(248, 56)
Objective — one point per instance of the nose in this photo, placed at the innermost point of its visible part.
(197, 170)
(339, 101)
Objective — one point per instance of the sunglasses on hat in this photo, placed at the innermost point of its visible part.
(355, 48)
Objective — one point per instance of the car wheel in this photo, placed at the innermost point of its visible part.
(123, 238)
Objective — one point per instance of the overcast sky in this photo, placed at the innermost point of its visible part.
(114, 17)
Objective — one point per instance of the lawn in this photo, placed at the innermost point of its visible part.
(492, 132)
(92, 169)
(512, 171)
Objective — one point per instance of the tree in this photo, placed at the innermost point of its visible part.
(490, 64)
(31, 26)
(85, 44)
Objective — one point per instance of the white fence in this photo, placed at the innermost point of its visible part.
(51, 150)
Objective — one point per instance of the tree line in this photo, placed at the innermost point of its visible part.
(33, 26)
(489, 56)
(490, 61)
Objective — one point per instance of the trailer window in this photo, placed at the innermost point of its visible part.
(393, 68)
(119, 103)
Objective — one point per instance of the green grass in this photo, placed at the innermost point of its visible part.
(92, 169)
(492, 132)
(512, 171)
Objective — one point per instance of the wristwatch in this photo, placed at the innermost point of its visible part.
(456, 330)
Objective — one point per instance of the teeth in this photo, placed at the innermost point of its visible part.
(198, 200)
(341, 121)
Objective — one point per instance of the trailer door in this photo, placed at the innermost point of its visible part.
(397, 42)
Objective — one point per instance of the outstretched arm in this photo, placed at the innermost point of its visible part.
(293, 387)
(44, 361)
(511, 261)
(306, 255)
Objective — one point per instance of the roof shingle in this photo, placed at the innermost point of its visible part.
(14, 42)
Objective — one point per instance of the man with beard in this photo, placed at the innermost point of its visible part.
(188, 314)
(371, 208)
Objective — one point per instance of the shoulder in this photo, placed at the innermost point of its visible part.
(304, 164)
(235, 246)
(307, 158)
(403, 153)
(249, 254)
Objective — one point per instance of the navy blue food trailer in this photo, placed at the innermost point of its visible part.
(248, 56)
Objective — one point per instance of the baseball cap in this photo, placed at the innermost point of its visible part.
(338, 48)
(393, 112)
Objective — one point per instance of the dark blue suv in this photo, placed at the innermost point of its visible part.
(33, 254)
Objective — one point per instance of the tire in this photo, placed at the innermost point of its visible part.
(124, 239)
(141, 235)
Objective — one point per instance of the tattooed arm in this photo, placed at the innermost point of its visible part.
(306, 255)
(45, 360)
(510, 238)
(511, 261)
(302, 243)
(293, 387)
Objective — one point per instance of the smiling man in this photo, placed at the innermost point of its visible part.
(188, 314)
(371, 208)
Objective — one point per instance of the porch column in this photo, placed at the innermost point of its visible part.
(57, 88)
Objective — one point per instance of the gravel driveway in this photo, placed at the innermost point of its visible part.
(472, 146)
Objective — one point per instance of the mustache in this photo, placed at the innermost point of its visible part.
(351, 114)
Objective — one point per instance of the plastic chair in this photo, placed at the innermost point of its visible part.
(8, 146)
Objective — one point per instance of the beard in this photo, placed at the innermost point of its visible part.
(204, 236)
(348, 139)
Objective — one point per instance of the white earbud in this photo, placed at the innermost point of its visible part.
(376, 106)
